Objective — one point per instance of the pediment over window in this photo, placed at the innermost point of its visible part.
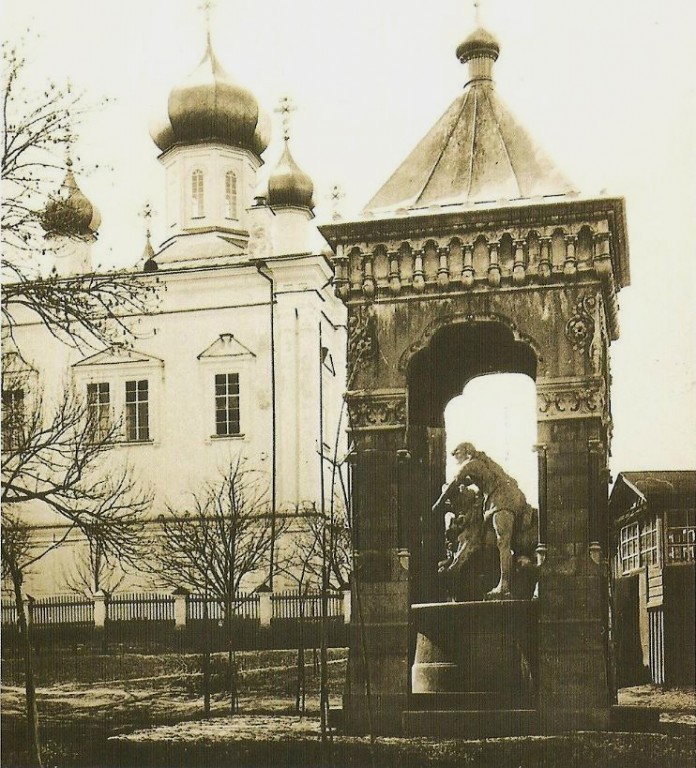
(119, 356)
(226, 346)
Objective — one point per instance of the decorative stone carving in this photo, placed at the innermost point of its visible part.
(378, 409)
(581, 326)
(362, 335)
(571, 398)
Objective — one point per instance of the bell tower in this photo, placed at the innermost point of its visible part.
(478, 256)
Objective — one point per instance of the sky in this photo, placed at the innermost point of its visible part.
(606, 87)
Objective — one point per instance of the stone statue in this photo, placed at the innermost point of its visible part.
(502, 509)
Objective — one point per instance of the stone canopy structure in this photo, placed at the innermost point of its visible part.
(477, 257)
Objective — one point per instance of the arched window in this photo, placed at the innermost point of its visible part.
(230, 195)
(197, 202)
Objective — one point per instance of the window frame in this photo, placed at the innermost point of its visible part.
(231, 199)
(136, 411)
(197, 193)
(227, 380)
(99, 410)
(13, 418)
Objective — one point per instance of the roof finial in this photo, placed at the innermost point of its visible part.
(477, 12)
(207, 7)
(285, 107)
(147, 213)
(336, 196)
(68, 132)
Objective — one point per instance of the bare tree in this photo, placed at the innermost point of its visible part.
(225, 537)
(54, 458)
(90, 309)
(91, 572)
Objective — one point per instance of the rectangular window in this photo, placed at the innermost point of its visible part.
(137, 411)
(227, 404)
(98, 409)
(629, 551)
(197, 204)
(681, 536)
(12, 419)
(230, 195)
(648, 543)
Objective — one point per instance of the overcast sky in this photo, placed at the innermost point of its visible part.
(606, 87)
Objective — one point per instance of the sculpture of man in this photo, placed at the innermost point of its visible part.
(503, 504)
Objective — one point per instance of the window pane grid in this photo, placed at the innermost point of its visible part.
(197, 199)
(98, 409)
(230, 195)
(227, 414)
(137, 411)
(12, 419)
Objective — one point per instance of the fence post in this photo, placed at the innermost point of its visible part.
(265, 608)
(346, 606)
(180, 607)
(99, 609)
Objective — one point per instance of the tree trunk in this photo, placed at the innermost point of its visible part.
(33, 749)
(206, 657)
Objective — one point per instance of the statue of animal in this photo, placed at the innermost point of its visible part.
(501, 518)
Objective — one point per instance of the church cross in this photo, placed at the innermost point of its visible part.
(284, 108)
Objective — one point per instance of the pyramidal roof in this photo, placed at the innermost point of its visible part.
(476, 152)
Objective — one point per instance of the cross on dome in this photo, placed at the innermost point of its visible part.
(284, 108)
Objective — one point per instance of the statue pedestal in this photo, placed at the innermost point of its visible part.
(474, 668)
(475, 647)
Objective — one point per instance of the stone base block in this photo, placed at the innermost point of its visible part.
(467, 724)
(382, 715)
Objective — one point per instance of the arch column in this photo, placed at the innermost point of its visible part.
(379, 644)
(574, 679)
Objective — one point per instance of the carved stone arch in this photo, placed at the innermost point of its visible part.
(380, 264)
(456, 256)
(584, 249)
(506, 253)
(558, 249)
(405, 256)
(481, 257)
(459, 318)
(457, 353)
(431, 259)
(355, 268)
(533, 240)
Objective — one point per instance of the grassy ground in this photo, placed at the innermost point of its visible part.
(153, 704)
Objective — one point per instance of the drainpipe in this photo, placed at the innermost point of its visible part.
(262, 269)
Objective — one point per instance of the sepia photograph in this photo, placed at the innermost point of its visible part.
(348, 384)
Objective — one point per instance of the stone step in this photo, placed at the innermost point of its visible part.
(471, 724)
(470, 700)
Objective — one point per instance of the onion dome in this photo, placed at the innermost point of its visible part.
(70, 213)
(480, 43)
(210, 106)
(289, 185)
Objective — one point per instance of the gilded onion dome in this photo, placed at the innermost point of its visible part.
(70, 213)
(210, 106)
(289, 185)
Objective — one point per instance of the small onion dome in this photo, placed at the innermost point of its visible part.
(149, 263)
(479, 43)
(288, 184)
(210, 106)
(70, 213)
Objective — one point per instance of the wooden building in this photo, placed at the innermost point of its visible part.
(653, 529)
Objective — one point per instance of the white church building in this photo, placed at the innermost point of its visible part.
(244, 351)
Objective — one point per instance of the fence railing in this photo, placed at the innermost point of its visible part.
(244, 605)
(179, 608)
(145, 606)
(290, 605)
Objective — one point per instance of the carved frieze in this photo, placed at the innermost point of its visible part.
(377, 409)
(571, 398)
